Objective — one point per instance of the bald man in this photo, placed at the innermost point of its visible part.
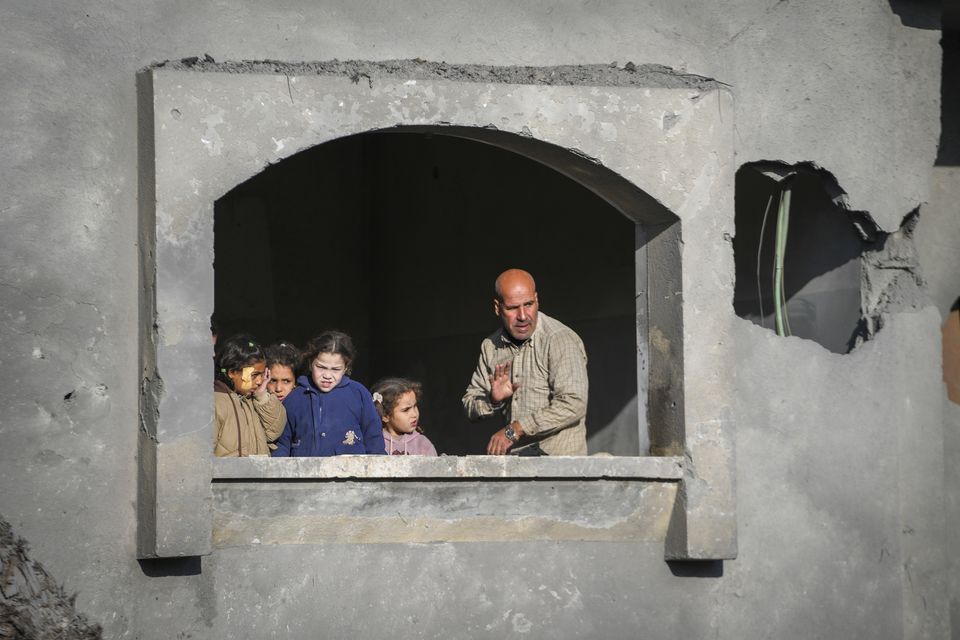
(533, 373)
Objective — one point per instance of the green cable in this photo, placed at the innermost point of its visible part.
(763, 228)
(783, 267)
(780, 250)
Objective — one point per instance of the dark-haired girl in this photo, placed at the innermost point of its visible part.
(247, 417)
(328, 414)
(396, 400)
(282, 361)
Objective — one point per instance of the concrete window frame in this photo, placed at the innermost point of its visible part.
(657, 148)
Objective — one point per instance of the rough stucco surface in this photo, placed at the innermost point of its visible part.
(938, 239)
(428, 511)
(952, 481)
(831, 469)
(484, 590)
(826, 490)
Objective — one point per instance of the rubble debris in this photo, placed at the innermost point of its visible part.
(32, 604)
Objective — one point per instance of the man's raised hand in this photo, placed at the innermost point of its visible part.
(501, 387)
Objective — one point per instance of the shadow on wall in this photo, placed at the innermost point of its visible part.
(696, 568)
(919, 14)
(943, 15)
(951, 353)
(948, 153)
(166, 567)
(821, 266)
(397, 237)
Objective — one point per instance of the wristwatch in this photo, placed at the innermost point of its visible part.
(510, 433)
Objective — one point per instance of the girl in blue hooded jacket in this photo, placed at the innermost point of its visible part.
(328, 414)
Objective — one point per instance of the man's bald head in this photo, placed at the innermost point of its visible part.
(512, 278)
(516, 303)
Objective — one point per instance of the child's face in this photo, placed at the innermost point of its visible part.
(327, 369)
(282, 381)
(404, 417)
(247, 378)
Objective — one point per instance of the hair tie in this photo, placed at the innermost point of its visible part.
(222, 370)
(377, 397)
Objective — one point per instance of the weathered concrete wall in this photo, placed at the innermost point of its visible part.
(833, 451)
(951, 448)
(838, 483)
(938, 238)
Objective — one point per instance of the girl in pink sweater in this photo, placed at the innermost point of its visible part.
(396, 402)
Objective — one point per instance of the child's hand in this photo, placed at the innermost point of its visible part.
(262, 389)
(501, 387)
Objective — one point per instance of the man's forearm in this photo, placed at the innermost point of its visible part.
(476, 400)
(477, 404)
(562, 412)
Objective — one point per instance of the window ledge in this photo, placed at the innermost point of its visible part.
(448, 467)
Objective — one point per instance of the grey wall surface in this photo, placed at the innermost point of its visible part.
(951, 439)
(840, 462)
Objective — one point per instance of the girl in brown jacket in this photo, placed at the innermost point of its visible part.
(247, 416)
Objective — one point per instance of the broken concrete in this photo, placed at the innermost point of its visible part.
(32, 604)
(891, 277)
(590, 75)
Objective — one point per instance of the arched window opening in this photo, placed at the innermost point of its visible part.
(797, 255)
(396, 236)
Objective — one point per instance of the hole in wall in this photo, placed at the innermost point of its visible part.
(396, 238)
(818, 267)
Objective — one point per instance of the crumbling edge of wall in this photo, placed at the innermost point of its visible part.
(610, 75)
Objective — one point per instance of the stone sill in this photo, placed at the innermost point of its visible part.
(448, 468)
